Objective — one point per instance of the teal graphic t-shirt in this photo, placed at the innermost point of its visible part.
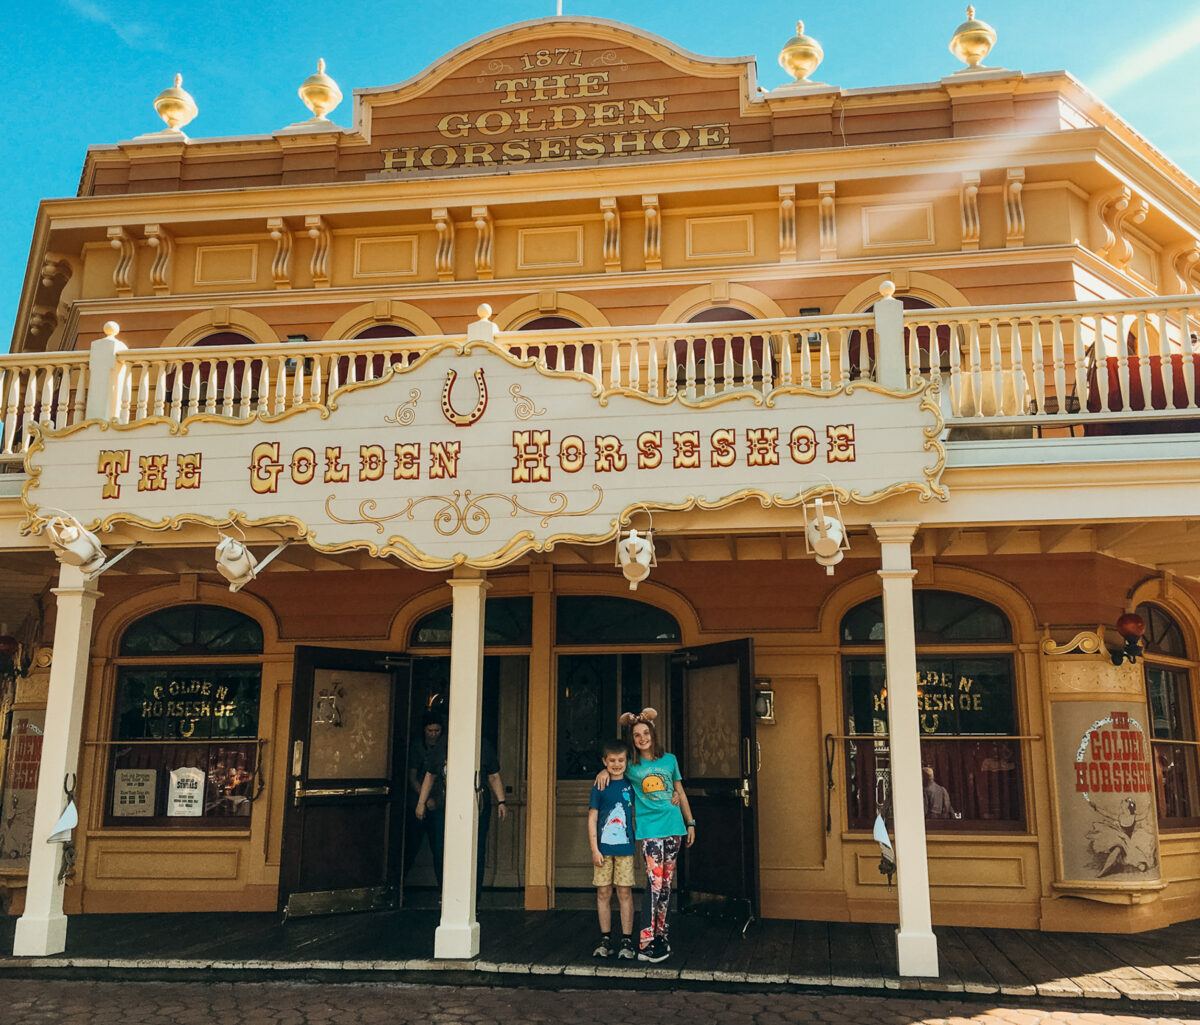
(653, 785)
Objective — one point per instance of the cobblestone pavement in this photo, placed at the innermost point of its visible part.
(292, 1003)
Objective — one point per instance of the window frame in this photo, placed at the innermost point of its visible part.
(1010, 649)
(205, 824)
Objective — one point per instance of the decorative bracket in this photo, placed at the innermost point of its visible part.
(56, 271)
(42, 321)
(828, 219)
(160, 240)
(787, 222)
(612, 234)
(1111, 212)
(1181, 264)
(281, 264)
(969, 207)
(485, 239)
(319, 232)
(443, 260)
(652, 243)
(122, 241)
(1014, 207)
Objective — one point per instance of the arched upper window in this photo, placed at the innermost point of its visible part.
(185, 719)
(385, 331)
(1169, 676)
(719, 315)
(966, 698)
(550, 323)
(940, 617)
(597, 620)
(223, 338)
(506, 621)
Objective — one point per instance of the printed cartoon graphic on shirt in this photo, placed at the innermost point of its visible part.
(616, 826)
(655, 783)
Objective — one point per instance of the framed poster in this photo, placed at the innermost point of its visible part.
(20, 786)
(185, 792)
(133, 793)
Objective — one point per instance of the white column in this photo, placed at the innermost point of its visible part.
(916, 946)
(890, 371)
(42, 929)
(458, 933)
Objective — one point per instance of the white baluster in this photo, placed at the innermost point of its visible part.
(1189, 358)
(805, 357)
(46, 409)
(247, 388)
(635, 369)
(194, 388)
(935, 352)
(598, 363)
(710, 369)
(79, 398)
(1079, 369)
(281, 385)
(314, 391)
(126, 384)
(143, 402)
(1039, 371)
(825, 362)
(352, 369)
(976, 368)
(728, 372)
(27, 420)
(10, 410)
(614, 365)
(1122, 359)
(298, 383)
(160, 389)
(1143, 353)
(996, 359)
(652, 366)
(1059, 358)
(369, 368)
(689, 372)
(785, 357)
(177, 387)
(1166, 368)
(264, 386)
(913, 331)
(956, 381)
(672, 369)
(334, 375)
(768, 363)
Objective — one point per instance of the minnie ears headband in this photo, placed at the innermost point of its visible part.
(646, 715)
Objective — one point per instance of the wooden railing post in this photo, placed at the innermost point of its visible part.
(105, 375)
(889, 339)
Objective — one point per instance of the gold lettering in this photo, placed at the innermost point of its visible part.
(649, 446)
(152, 473)
(592, 83)
(589, 147)
(502, 118)
(408, 461)
(443, 459)
(683, 139)
(712, 136)
(687, 450)
(451, 155)
(304, 466)
(641, 109)
(516, 151)
(723, 452)
(509, 87)
(571, 453)
(265, 468)
(609, 455)
(336, 472)
(187, 475)
(403, 158)
(371, 462)
(560, 116)
(112, 464)
(530, 457)
(629, 142)
(454, 126)
(607, 114)
(478, 152)
(559, 84)
(555, 147)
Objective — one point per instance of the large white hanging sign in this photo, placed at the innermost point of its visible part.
(469, 456)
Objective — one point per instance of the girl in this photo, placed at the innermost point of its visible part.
(662, 821)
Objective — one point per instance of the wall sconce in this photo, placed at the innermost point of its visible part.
(825, 532)
(764, 702)
(1132, 629)
(237, 565)
(636, 556)
(74, 545)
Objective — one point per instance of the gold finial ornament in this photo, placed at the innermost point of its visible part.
(801, 55)
(972, 41)
(320, 93)
(176, 106)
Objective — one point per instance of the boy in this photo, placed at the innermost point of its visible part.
(610, 833)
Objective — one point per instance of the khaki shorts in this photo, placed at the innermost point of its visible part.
(617, 870)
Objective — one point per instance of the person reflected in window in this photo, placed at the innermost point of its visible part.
(432, 827)
(937, 797)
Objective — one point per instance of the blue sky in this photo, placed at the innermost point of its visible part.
(86, 71)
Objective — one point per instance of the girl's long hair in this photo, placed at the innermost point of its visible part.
(656, 748)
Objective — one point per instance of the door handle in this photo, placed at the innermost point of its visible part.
(297, 757)
(744, 792)
(302, 791)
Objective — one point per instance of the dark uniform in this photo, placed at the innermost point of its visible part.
(489, 765)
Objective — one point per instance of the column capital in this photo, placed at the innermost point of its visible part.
(891, 532)
(467, 576)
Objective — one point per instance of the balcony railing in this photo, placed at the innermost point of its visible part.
(1027, 368)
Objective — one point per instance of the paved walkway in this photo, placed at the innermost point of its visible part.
(281, 1003)
(553, 950)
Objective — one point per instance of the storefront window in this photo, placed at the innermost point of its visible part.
(1168, 676)
(184, 748)
(970, 758)
(592, 691)
(506, 621)
(594, 619)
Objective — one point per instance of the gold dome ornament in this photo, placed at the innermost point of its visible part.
(972, 41)
(320, 93)
(176, 107)
(801, 55)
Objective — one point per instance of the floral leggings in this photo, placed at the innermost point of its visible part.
(661, 856)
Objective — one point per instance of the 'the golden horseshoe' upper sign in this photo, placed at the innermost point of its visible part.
(392, 467)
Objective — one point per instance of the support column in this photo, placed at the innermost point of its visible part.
(458, 934)
(541, 767)
(916, 946)
(42, 929)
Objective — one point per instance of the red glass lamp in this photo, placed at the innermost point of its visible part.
(1132, 629)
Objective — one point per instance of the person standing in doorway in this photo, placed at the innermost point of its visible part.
(610, 834)
(489, 772)
(663, 824)
(432, 826)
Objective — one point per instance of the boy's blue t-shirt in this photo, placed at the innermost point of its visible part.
(654, 782)
(614, 823)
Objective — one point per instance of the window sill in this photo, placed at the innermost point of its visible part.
(222, 832)
(957, 837)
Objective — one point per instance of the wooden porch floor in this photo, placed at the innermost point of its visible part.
(517, 946)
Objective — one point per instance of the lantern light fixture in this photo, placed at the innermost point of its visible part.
(236, 563)
(74, 545)
(636, 554)
(825, 536)
(1132, 629)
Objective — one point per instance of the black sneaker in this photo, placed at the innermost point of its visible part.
(655, 952)
(605, 948)
(627, 951)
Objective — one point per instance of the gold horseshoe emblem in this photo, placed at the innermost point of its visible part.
(448, 410)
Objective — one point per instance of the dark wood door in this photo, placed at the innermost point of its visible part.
(713, 712)
(344, 825)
